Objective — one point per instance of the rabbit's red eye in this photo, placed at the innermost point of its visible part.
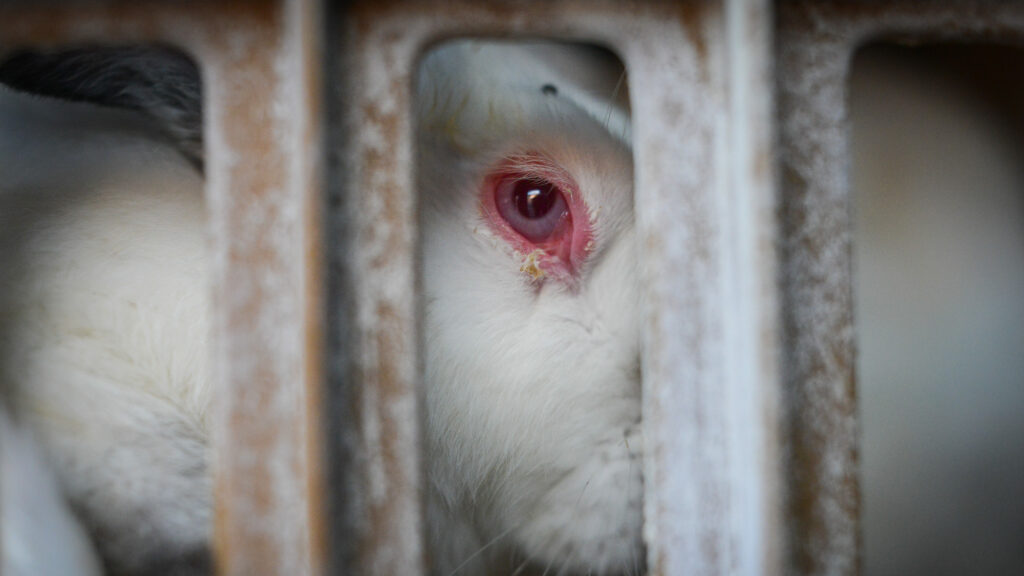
(535, 206)
(532, 207)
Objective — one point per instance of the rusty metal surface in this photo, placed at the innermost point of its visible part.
(263, 198)
(815, 43)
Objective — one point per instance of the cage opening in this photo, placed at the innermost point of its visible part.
(936, 141)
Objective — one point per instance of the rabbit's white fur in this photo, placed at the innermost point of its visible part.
(104, 322)
(532, 386)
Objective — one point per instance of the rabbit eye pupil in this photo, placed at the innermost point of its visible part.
(534, 207)
(534, 200)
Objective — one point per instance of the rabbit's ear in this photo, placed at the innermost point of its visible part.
(603, 74)
(157, 81)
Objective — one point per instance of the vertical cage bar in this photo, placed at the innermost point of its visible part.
(376, 509)
(821, 439)
(263, 93)
(704, 187)
(306, 22)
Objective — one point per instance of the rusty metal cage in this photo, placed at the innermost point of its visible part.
(749, 393)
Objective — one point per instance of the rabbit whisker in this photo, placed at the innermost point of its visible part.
(481, 550)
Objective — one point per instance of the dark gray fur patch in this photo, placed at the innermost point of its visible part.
(158, 81)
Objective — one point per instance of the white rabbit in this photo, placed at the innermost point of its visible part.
(530, 311)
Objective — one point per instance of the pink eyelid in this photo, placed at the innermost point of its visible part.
(560, 257)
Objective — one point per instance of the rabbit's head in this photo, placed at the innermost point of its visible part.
(530, 308)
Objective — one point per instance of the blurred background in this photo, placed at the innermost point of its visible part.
(938, 205)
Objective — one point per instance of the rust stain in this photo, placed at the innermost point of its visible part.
(693, 16)
(380, 180)
(314, 266)
(392, 337)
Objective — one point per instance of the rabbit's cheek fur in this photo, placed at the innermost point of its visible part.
(533, 411)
